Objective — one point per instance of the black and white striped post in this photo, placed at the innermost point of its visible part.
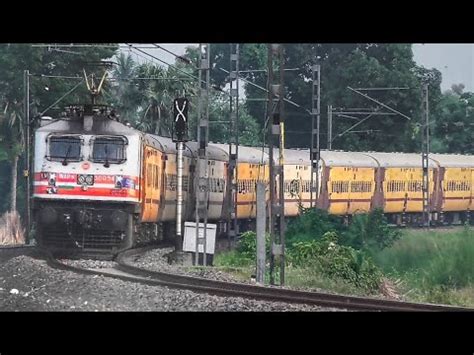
(180, 135)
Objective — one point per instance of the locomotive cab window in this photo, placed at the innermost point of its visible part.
(64, 148)
(109, 150)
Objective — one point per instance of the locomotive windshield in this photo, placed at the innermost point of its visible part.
(65, 148)
(109, 150)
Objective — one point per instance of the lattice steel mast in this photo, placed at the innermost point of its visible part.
(202, 169)
(315, 127)
(425, 150)
(232, 174)
(275, 139)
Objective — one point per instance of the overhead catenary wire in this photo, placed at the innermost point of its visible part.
(180, 57)
(180, 70)
(139, 49)
(62, 97)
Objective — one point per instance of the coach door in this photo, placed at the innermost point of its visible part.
(152, 183)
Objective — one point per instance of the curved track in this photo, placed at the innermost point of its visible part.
(16, 246)
(126, 271)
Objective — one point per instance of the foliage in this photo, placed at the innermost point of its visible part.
(148, 104)
(124, 94)
(312, 224)
(337, 261)
(14, 60)
(247, 245)
(325, 257)
(370, 231)
(342, 65)
(454, 128)
(366, 231)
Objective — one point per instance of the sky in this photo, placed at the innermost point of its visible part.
(454, 61)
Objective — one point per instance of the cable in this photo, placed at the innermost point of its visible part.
(62, 97)
(178, 69)
(184, 59)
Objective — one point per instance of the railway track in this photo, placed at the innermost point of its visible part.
(16, 246)
(126, 271)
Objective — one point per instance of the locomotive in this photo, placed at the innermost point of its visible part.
(103, 186)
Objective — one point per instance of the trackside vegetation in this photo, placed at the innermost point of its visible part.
(363, 257)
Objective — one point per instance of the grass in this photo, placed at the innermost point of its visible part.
(309, 278)
(438, 257)
(313, 279)
(434, 266)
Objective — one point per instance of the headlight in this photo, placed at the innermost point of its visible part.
(85, 179)
(90, 180)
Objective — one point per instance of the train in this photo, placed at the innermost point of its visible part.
(101, 185)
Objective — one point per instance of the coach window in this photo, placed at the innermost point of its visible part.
(64, 148)
(109, 150)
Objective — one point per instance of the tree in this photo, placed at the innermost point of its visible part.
(158, 96)
(343, 65)
(124, 94)
(249, 131)
(155, 108)
(454, 125)
(14, 59)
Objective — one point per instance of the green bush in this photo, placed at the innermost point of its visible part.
(312, 224)
(366, 231)
(370, 231)
(336, 261)
(247, 245)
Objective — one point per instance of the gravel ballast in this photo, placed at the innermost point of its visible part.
(157, 260)
(27, 283)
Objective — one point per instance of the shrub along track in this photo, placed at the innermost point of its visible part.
(126, 271)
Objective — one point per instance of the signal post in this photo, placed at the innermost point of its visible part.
(180, 135)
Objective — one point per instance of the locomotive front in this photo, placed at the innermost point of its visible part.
(86, 182)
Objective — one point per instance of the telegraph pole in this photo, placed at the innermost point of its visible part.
(202, 171)
(425, 149)
(27, 172)
(315, 128)
(231, 183)
(275, 138)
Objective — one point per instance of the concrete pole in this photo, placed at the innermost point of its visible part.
(27, 171)
(261, 217)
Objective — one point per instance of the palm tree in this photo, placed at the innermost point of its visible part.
(159, 95)
(124, 94)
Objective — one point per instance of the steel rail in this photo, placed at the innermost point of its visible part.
(126, 271)
(16, 246)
